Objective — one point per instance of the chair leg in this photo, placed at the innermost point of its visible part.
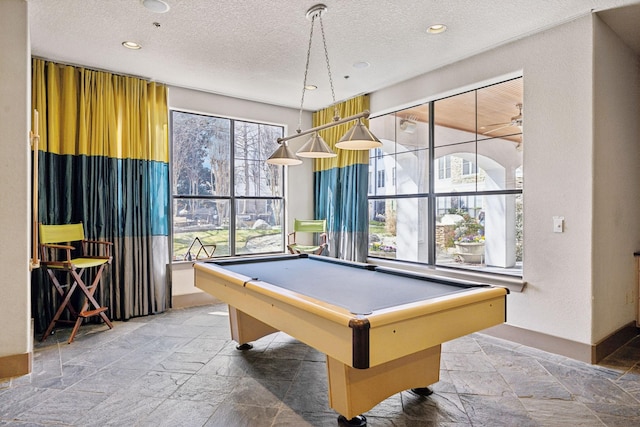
(64, 304)
(89, 300)
(61, 291)
(98, 309)
(74, 331)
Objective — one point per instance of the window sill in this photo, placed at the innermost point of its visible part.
(514, 284)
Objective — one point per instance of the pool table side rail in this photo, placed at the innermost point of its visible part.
(461, 283)
(282, 257)
(425, 325)
(392, 315)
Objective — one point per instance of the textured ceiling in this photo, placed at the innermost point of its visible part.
(257, 49)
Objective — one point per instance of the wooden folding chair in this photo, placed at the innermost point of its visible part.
(55, 241)
(317, 226)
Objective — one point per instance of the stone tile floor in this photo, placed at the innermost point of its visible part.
(179, 368)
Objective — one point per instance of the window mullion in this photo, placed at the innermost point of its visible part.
(431, 202)
(232, 190)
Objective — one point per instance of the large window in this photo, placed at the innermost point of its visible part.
(224, 193)
(466, 210)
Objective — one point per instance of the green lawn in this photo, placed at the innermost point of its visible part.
(220, 238)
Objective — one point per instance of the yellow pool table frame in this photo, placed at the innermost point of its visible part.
(403, 348)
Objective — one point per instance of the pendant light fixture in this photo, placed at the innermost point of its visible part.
(357, 138)
(316, 147)
(283, 156)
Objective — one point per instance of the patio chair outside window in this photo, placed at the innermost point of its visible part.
(315, 226)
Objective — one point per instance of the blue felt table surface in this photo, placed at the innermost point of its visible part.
(359, 290)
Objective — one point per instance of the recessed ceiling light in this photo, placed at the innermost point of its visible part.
(131, 45)
(157, 6)
(361, 64)
(437, 29)
(311, 87)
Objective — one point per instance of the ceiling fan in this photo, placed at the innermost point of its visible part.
(515, 121)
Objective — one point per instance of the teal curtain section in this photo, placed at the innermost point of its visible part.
(124, 201)
(341, 198)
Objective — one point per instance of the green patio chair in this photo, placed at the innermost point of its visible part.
(316, 226)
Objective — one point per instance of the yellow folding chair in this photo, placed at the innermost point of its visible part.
(316, 226)
(55, 253)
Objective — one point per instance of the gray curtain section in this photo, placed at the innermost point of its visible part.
(348, 245)
(160, 259)
(140, 260)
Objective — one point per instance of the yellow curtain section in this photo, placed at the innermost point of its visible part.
(107, 120)
(332, 135)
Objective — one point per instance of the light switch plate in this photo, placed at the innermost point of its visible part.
(558, 224)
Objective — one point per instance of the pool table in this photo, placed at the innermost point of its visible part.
(380, 328)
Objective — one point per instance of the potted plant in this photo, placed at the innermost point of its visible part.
(469, 239)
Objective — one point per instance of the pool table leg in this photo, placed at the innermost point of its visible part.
(245, 328)
(357, 421)
(354, 391)
(422, 391)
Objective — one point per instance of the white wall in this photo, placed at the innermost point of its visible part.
(15, 210)
(615, 181)
(560, 169)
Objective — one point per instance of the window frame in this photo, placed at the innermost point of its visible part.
(232, 198)
(441, 169)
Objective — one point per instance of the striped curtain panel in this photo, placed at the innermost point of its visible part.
(341, 186)
(103, 160)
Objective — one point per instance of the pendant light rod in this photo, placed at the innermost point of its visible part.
(363, 115)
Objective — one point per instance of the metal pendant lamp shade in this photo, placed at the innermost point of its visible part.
(283, 156)
(358, 138)
(316, 148)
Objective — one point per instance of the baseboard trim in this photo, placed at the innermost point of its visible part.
(193, 300)
(15, 365)
(614, 341)
(572, 349)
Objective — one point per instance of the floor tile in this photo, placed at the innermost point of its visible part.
(496, 411)
(551, 412)
(19, 399)
(212, 389)
(242, 415)
(120, 409)
(158, 384)
(183, 413)
(64, 408)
